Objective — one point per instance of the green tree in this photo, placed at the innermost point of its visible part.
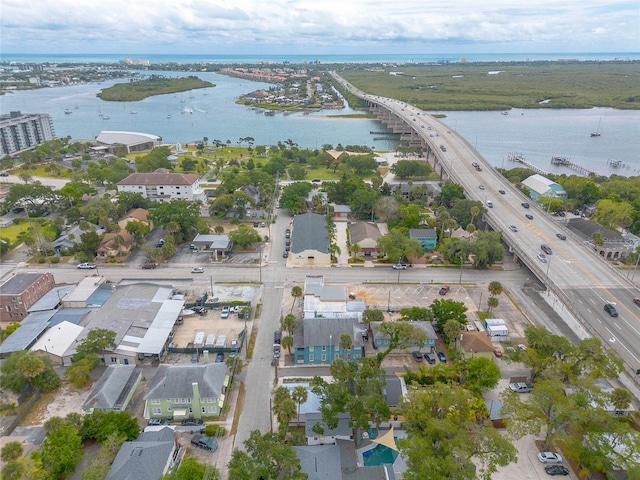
(397, 245)
(185, 214)
(451, 330)
(492, 302)
(287, 342)
(416, 314)
(266, 457)
(289, 322)
(244, 236)
(495, 288)
(284, 408)
(372, 315)
(401, 335)
(15, 366)
(346, 342)
(451, 192)
(191, 469)
(296, 293)
(100, 464)
(410, 168)
(11, 451)
(138, 229)
(299, 395)
(445, 310)
(480, 374)
(97, 340)
(61, 451)
(447, 428)
(100, 425)
(354, 249)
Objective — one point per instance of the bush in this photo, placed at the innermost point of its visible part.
(42, 259)
(55, 260)
(215, 431)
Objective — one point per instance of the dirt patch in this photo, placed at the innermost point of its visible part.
(366, 296)
(65, 400)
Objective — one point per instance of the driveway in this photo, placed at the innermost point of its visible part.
(341, 241)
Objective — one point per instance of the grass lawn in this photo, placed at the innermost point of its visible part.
(41, 171)
(321, 173)
(11, 232)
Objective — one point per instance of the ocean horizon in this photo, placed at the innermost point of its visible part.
(118, 58)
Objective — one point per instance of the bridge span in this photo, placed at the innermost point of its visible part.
(579, 282)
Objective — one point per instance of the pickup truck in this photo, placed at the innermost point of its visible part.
(202, 441)
(520, 387)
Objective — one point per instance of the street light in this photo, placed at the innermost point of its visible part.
(461, 262)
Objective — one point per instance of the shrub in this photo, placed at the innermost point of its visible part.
(55, 260)
(42, 259)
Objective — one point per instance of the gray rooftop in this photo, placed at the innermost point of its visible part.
(310, 233)
(422, 233)
(175, 380)
(29, 331)
(144, 457)
(108, 390)
(342, 428)
(51, 299)
(320, 462)
(360, 231)
(71, 315)
(17, 283)
(315, 332)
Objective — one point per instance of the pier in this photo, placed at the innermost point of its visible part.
(565, 162)
(519, 157)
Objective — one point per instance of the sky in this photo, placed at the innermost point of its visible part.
(318, 26)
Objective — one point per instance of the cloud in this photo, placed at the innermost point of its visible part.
(285, 26)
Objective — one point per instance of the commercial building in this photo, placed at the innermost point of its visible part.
(20, 291)
(22, 131)
(131, 141)
(163, 186)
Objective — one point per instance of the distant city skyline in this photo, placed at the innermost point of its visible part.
(312, 27)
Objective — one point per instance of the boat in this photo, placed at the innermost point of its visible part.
(504, 113)
(106, 117)
(186, 312)
(615, 163)
(100, 113)
(67, 111)
(269, 113)
(134, 112)
(168, 115)
(597, 133)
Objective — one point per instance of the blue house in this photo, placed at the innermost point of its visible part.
(428, 238)
(381, 339)
(316, 341)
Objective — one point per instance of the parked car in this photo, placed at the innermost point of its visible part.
(430, 358)
(159, 243)
(155, 422)
(549, 457)
(86, 266)
(149, 266)
(194, 358)
(546, 249)
(399, 266)
(220, 357)
(204, 442)
(610, 309)
(234, 343)
(445, 289)
(556, 470)
(225, 312)
(192, 422)
(522, 347)
(520, 387)
(561, 236)
(285, 254)
(417, 356)
(442, 357)
(197, 270)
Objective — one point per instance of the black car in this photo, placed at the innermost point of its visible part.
(546, 249)
(204, 442)
(610, 309)
(417, 356)
(502, 192)
(525, 204)
(561, 236)
(155, 422)
(192, 422)
(442, 357)
(556, 470)
(529, 216)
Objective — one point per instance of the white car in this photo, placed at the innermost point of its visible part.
(399, 266)
(513, 228)
(549, 457)
(542, 257)
(87, 266)
(197, 270)
(225, 312)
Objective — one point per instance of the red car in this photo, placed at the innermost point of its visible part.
(445, 289)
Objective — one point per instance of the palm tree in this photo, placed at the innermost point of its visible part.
(475, 211)
(296, 292)
(492, 302)
(299, 395)
(354, 248)
(495, 288)
(289, 323)
(346, 342)
(218, 229)
(470, 229)
(287, 342)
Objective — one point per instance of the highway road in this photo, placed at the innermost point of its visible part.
(574, 273)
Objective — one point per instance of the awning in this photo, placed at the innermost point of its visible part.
(387, 440)
(179, 412)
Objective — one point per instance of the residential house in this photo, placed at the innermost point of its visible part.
(310, 241)
(381, 339)
(186, 391)
(615, 247)
(114, 245)
(540, 186)
(20, 291)
(139, 214)
(472, 344)
(73, 237)
(313, 421)
(253, 192)
(316, 341)
(341, 211)
(114, 390)
(219, 245)
(151, 455)
(365, 234)
(162, 185)
(427, 237)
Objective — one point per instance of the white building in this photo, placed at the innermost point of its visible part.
(132, 141)
(163, 186)
(21, 131)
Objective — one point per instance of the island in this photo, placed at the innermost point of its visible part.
(137, 90)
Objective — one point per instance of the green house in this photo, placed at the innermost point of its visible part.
(178, 392)
(428, 238)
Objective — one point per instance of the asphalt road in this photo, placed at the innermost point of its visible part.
(581, 280)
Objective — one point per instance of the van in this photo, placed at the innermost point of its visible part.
(489, 204)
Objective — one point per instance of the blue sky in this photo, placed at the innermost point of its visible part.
(319, 26)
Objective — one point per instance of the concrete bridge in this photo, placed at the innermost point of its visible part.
(579, 282)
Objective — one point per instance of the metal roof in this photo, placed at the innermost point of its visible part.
(17, 283)
(51, 299)
(30, 329)
(310, 233)
(57, 340)
(176, 380)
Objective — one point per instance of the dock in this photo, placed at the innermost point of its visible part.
(566, 162)
(520, 158)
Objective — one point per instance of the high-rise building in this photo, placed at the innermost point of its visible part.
(21, 131)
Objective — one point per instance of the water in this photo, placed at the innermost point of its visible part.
(538, 134)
